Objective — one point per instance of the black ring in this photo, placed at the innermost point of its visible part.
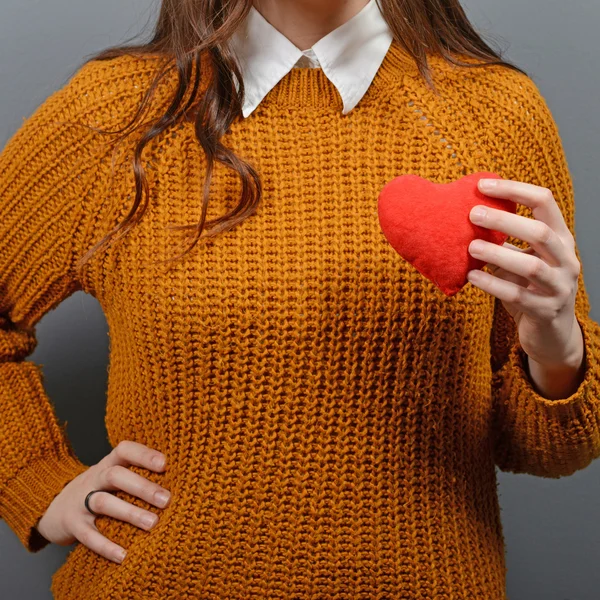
(86, 501)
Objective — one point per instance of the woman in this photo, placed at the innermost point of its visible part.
(324, 421)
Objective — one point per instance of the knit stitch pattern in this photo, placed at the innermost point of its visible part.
(331, 420)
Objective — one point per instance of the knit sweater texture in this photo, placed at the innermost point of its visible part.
(331, 420)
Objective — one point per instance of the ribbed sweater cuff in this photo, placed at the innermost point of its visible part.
(580, 402)
(25, 498)
(552, 437)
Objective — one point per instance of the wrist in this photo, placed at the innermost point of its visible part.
(560, 380)
(563, 347)
(576, 353)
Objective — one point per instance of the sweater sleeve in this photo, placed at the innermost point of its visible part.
(533, 434)
(47, 170)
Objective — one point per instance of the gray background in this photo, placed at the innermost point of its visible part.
(551, 527)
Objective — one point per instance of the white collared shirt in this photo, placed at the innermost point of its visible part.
(350, 55)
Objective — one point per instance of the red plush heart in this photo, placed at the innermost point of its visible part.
(428, 224)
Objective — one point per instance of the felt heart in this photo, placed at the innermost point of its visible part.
(428, 224)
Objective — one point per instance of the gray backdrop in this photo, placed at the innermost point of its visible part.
(551, 527)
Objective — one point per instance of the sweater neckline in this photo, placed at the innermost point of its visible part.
(310, 87)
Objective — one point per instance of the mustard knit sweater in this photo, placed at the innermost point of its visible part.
(331, 420)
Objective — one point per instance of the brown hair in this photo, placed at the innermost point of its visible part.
(187, 29)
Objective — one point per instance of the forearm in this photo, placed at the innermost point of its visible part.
(559, 382)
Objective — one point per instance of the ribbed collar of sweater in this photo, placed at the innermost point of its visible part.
(349, 55)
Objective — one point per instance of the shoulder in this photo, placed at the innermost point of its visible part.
(112, 90)
(102, 93)
(490, 111)
(493, 95)
(107, 93)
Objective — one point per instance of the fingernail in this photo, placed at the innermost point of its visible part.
(478, 213)
(120, 555)
(149, 521)
(476, 246)
(162, 498)
(158, 462)
(488, 183)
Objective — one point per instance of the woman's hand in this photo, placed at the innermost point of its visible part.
(538, 285)
(67, 519)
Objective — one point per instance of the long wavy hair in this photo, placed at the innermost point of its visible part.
(188, 29)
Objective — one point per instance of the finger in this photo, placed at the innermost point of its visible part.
(128, 452)
(541, 201)
(492, 268)
(527, 266)
(90, 537)
(498, 272)
(119, 477)
(528, 250)
(527, 300)
(110, 505)
(545, 241)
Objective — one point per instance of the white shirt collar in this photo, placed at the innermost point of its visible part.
(349, 55)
